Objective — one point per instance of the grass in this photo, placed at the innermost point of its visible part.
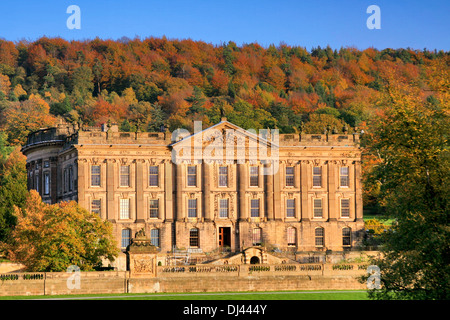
(267, 295)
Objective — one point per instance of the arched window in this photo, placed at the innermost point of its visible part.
(346, 237)
(291, 236)
(194, 238)
(256, 236)
(319, 237)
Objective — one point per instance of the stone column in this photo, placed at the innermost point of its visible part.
(243, 212)
(332, 187)
(140, 205)
(81, 181)
(179, 185)
(277, 191)
(206, 191)
(304, 190)
(358, 191)
(110, 202)
(168, 191)
(268, 179)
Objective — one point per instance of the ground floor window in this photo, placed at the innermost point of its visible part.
(256, 236)
(126, 237)
(319, 237)
(194, 240)
(154, 237)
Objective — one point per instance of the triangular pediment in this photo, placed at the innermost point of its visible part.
(226, 140)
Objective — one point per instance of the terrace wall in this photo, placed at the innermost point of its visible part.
(193, 278)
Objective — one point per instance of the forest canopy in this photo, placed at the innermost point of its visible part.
(143, 83)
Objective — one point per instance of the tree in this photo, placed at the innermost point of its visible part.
(13, 188)
(412, 142)
(53, 237)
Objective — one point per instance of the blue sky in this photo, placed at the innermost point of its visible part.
(414, 24)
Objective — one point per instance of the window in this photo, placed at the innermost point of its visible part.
(46, 164)
(344, 177)
(223, 176)
(317, 177)
(289, 176)
(154, 208)
(70, 178)
(318, 209)
(223, 208)
(192, 176)
(319, 237)
(346, 237)
(124, 208)
(290, 208)
(124, 176)
(46, 183)
(254, 176)
(154, 237)
(345, 208)
(254, 208)
(194, 240)
(126, 237)
(256, 236)
(96, 206)
(95, 176)
(192, 208)
(38, 187)
(291, 235)
(153, 176)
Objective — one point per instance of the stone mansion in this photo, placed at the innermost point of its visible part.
(222, 187)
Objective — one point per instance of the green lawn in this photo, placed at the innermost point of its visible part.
(286, 295)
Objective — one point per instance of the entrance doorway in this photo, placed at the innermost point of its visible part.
(224, 237)
(254, 260)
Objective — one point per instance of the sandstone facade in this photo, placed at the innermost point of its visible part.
(212, 190)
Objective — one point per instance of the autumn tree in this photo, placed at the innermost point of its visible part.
(411, 140)
(13, 188)
(53, 237)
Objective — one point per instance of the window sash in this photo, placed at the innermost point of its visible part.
(344, 177)
(46, 183)
(194, 238)
(346, 237)
(223, 208)
(124, 208)
(291, 241)
(254, 208)
(124, 176)
(192, 208)
(345, 208)
(192, 176)
(95, 176)
(153, 176)
(289, 176)
(290, 208)
(318, 208)
(317, 177)
(96, 206)
(319, 237)
(223, 176)
(256, 236)
(254, 176)
(126, 237)
(154, 208)
(154, 237)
